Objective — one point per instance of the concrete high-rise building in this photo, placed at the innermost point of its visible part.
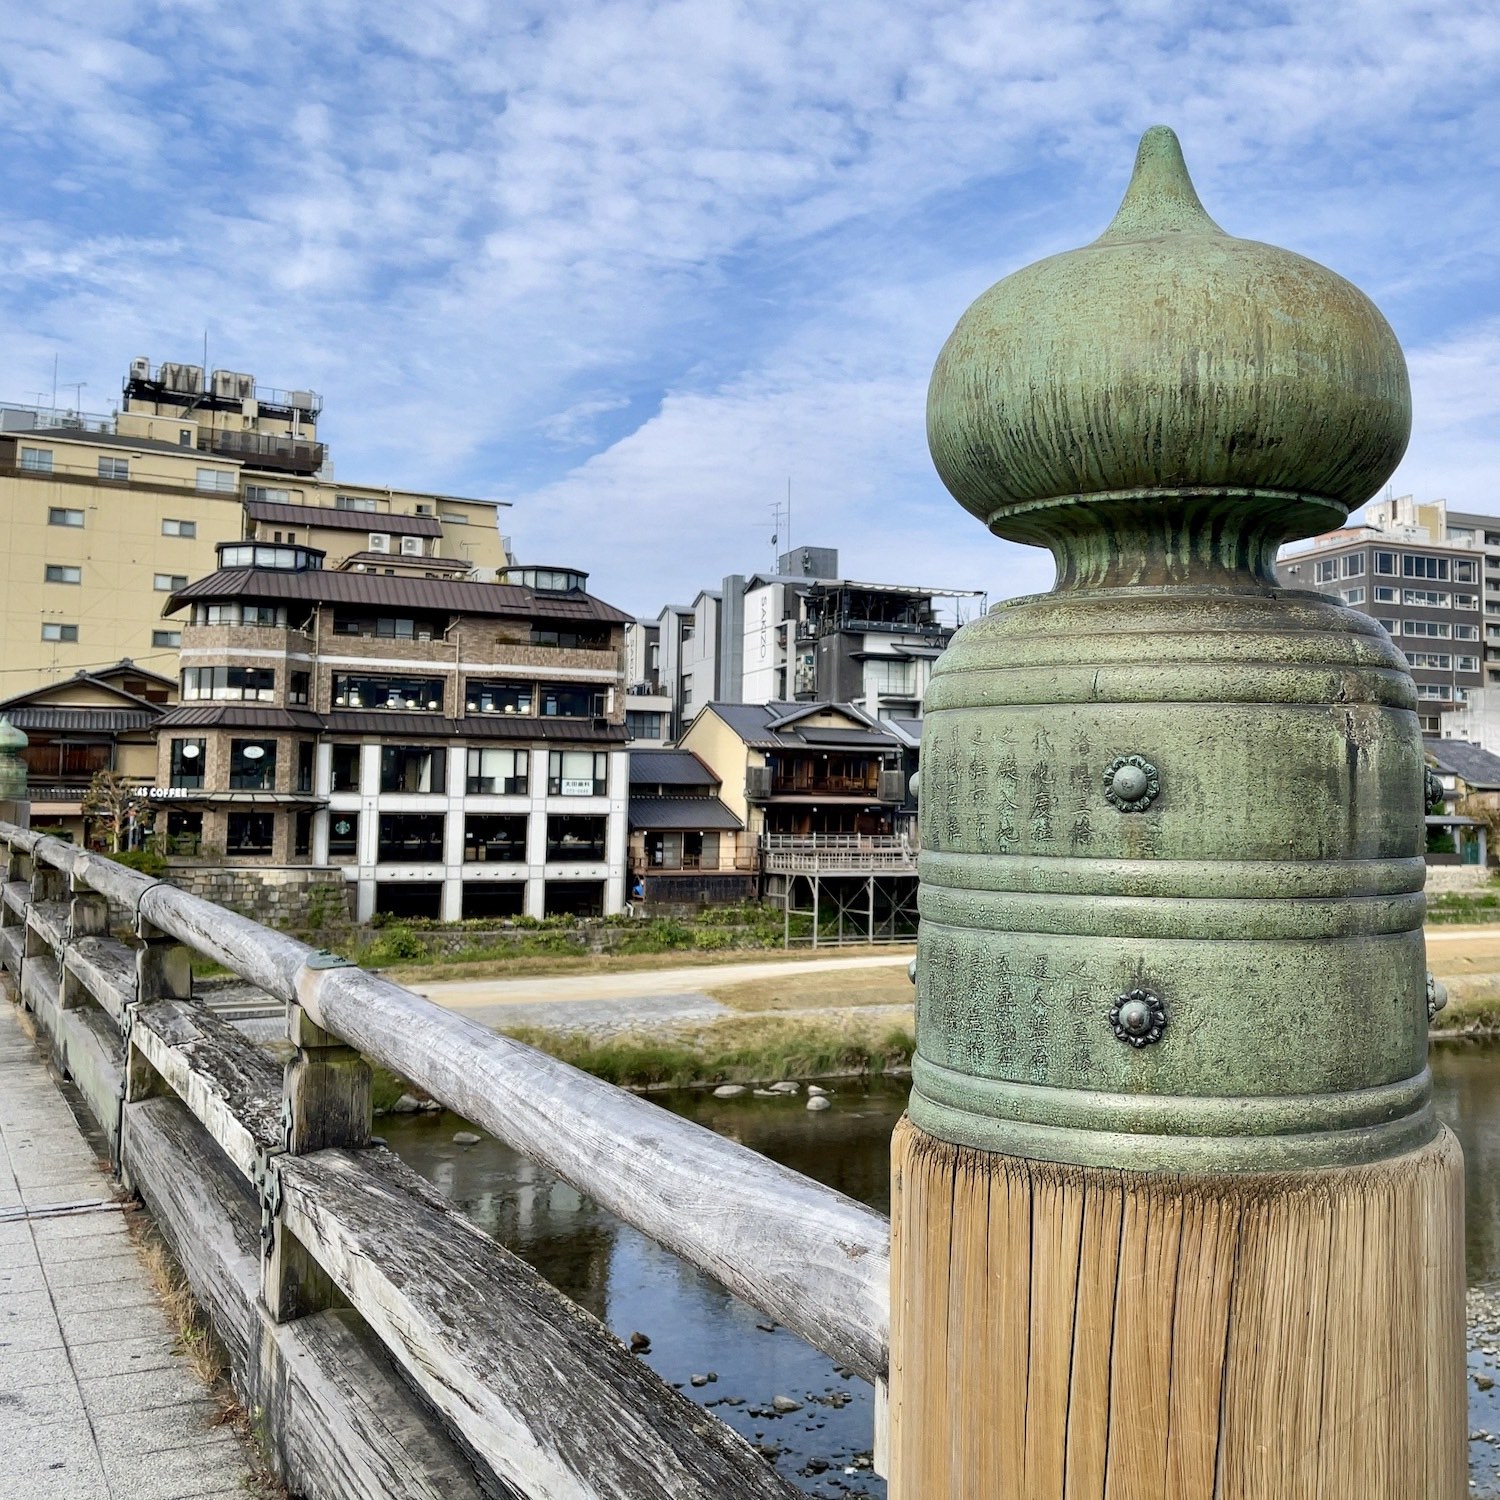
(1423, 573)
(102, 518)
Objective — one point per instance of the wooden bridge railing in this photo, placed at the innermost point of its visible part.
(387, 1345)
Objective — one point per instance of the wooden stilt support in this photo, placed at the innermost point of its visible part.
(1082, 1333)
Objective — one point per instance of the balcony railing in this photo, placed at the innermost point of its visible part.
(261, 450)
(837, 853)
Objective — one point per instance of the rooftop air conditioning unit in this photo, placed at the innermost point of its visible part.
(185, 378)
(758, 783)
(140, 369)
(379, 542)
(411, 546)
(302, 400)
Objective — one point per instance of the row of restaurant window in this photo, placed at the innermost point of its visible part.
(401, 838)
(1434, 630)
(403, 768)
(408, 694)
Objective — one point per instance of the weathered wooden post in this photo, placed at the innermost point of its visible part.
(15, 808)
(1172, 1213)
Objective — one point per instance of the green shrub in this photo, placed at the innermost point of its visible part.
(147, 861)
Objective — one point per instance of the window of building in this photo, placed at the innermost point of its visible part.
(640, 725)
(276, 559)
(1466, 632)
(896, 677)
(251, 832)
(59, 632)
(297, 688)
(166, 639)
(1391, 627)
(1354, 565)
(409, 694)
(267, 492)
(353, 502)
(1464, 570)
(1384, 594)
(1352, 596)
(577, 773)
(62, 515)
(1431, 661)
(240, 614)
(575, 839)
(305, 756)
(343, 835)
(574, 898)
(1434, 629)
(560, 701)
(495, 837)
(169, 527)
(1385, 562)
(184, 437)
(570, 638)
(302, 835)
(229, 684)
(1325, 570)
(345, 768)
(482, 697)
(496, 772)
(1421, 565)
(1426, 598)
(493, 900)
(36, 460)
(410, 839)
(168, 583)
(62, 573)
(413, 768)
(252, 765)
(386, 627)
(184, 832)
(1434, 690)
(1468, 663)
(216, 481)
(187, 762)
(113, 468)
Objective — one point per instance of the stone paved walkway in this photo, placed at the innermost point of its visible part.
(94, 1402)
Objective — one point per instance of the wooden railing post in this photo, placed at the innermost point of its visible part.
(163, 971)
(326, 1104)
(88, 916)
(1173, 1214)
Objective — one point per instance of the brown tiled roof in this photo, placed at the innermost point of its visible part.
(682, 812)
(85, 720)
(342, 520)
(390, 723)
(237, 716)
(459, 596)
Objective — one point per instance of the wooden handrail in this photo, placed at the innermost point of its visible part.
(802, 1253)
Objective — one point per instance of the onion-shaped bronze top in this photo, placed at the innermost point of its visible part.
(1166, 370)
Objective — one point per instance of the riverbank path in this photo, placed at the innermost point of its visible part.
(95, 1401)
(629, 997)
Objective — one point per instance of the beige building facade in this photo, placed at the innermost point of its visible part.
(103, 518)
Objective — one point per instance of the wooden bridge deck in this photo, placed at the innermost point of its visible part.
(95, 1402)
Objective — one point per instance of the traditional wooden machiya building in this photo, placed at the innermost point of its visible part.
(453, 748)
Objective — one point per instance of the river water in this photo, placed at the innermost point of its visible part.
(696, 1328)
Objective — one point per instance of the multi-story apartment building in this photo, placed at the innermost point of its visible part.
(1423, 588)
(799, 634)
(104, 517)
(455, 748)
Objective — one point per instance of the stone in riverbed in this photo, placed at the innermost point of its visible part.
(786, 1086)
(466, 1138)
(730, 1091)
(785, 1405)
(407, 1104)
(820, 1101)
(814, 1090)
(639, 1343)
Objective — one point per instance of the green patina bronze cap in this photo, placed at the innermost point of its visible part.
(12, 767)
(1168, 356)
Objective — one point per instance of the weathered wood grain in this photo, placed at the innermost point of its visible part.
(808, 1256)
(49, 920)
(227, 1083)
(343, 1422)
(39, 988)
(1179, 1337)
(88, 1050)
(538, 1388)
(106, 969)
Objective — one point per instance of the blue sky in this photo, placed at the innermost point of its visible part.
(633, 266)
